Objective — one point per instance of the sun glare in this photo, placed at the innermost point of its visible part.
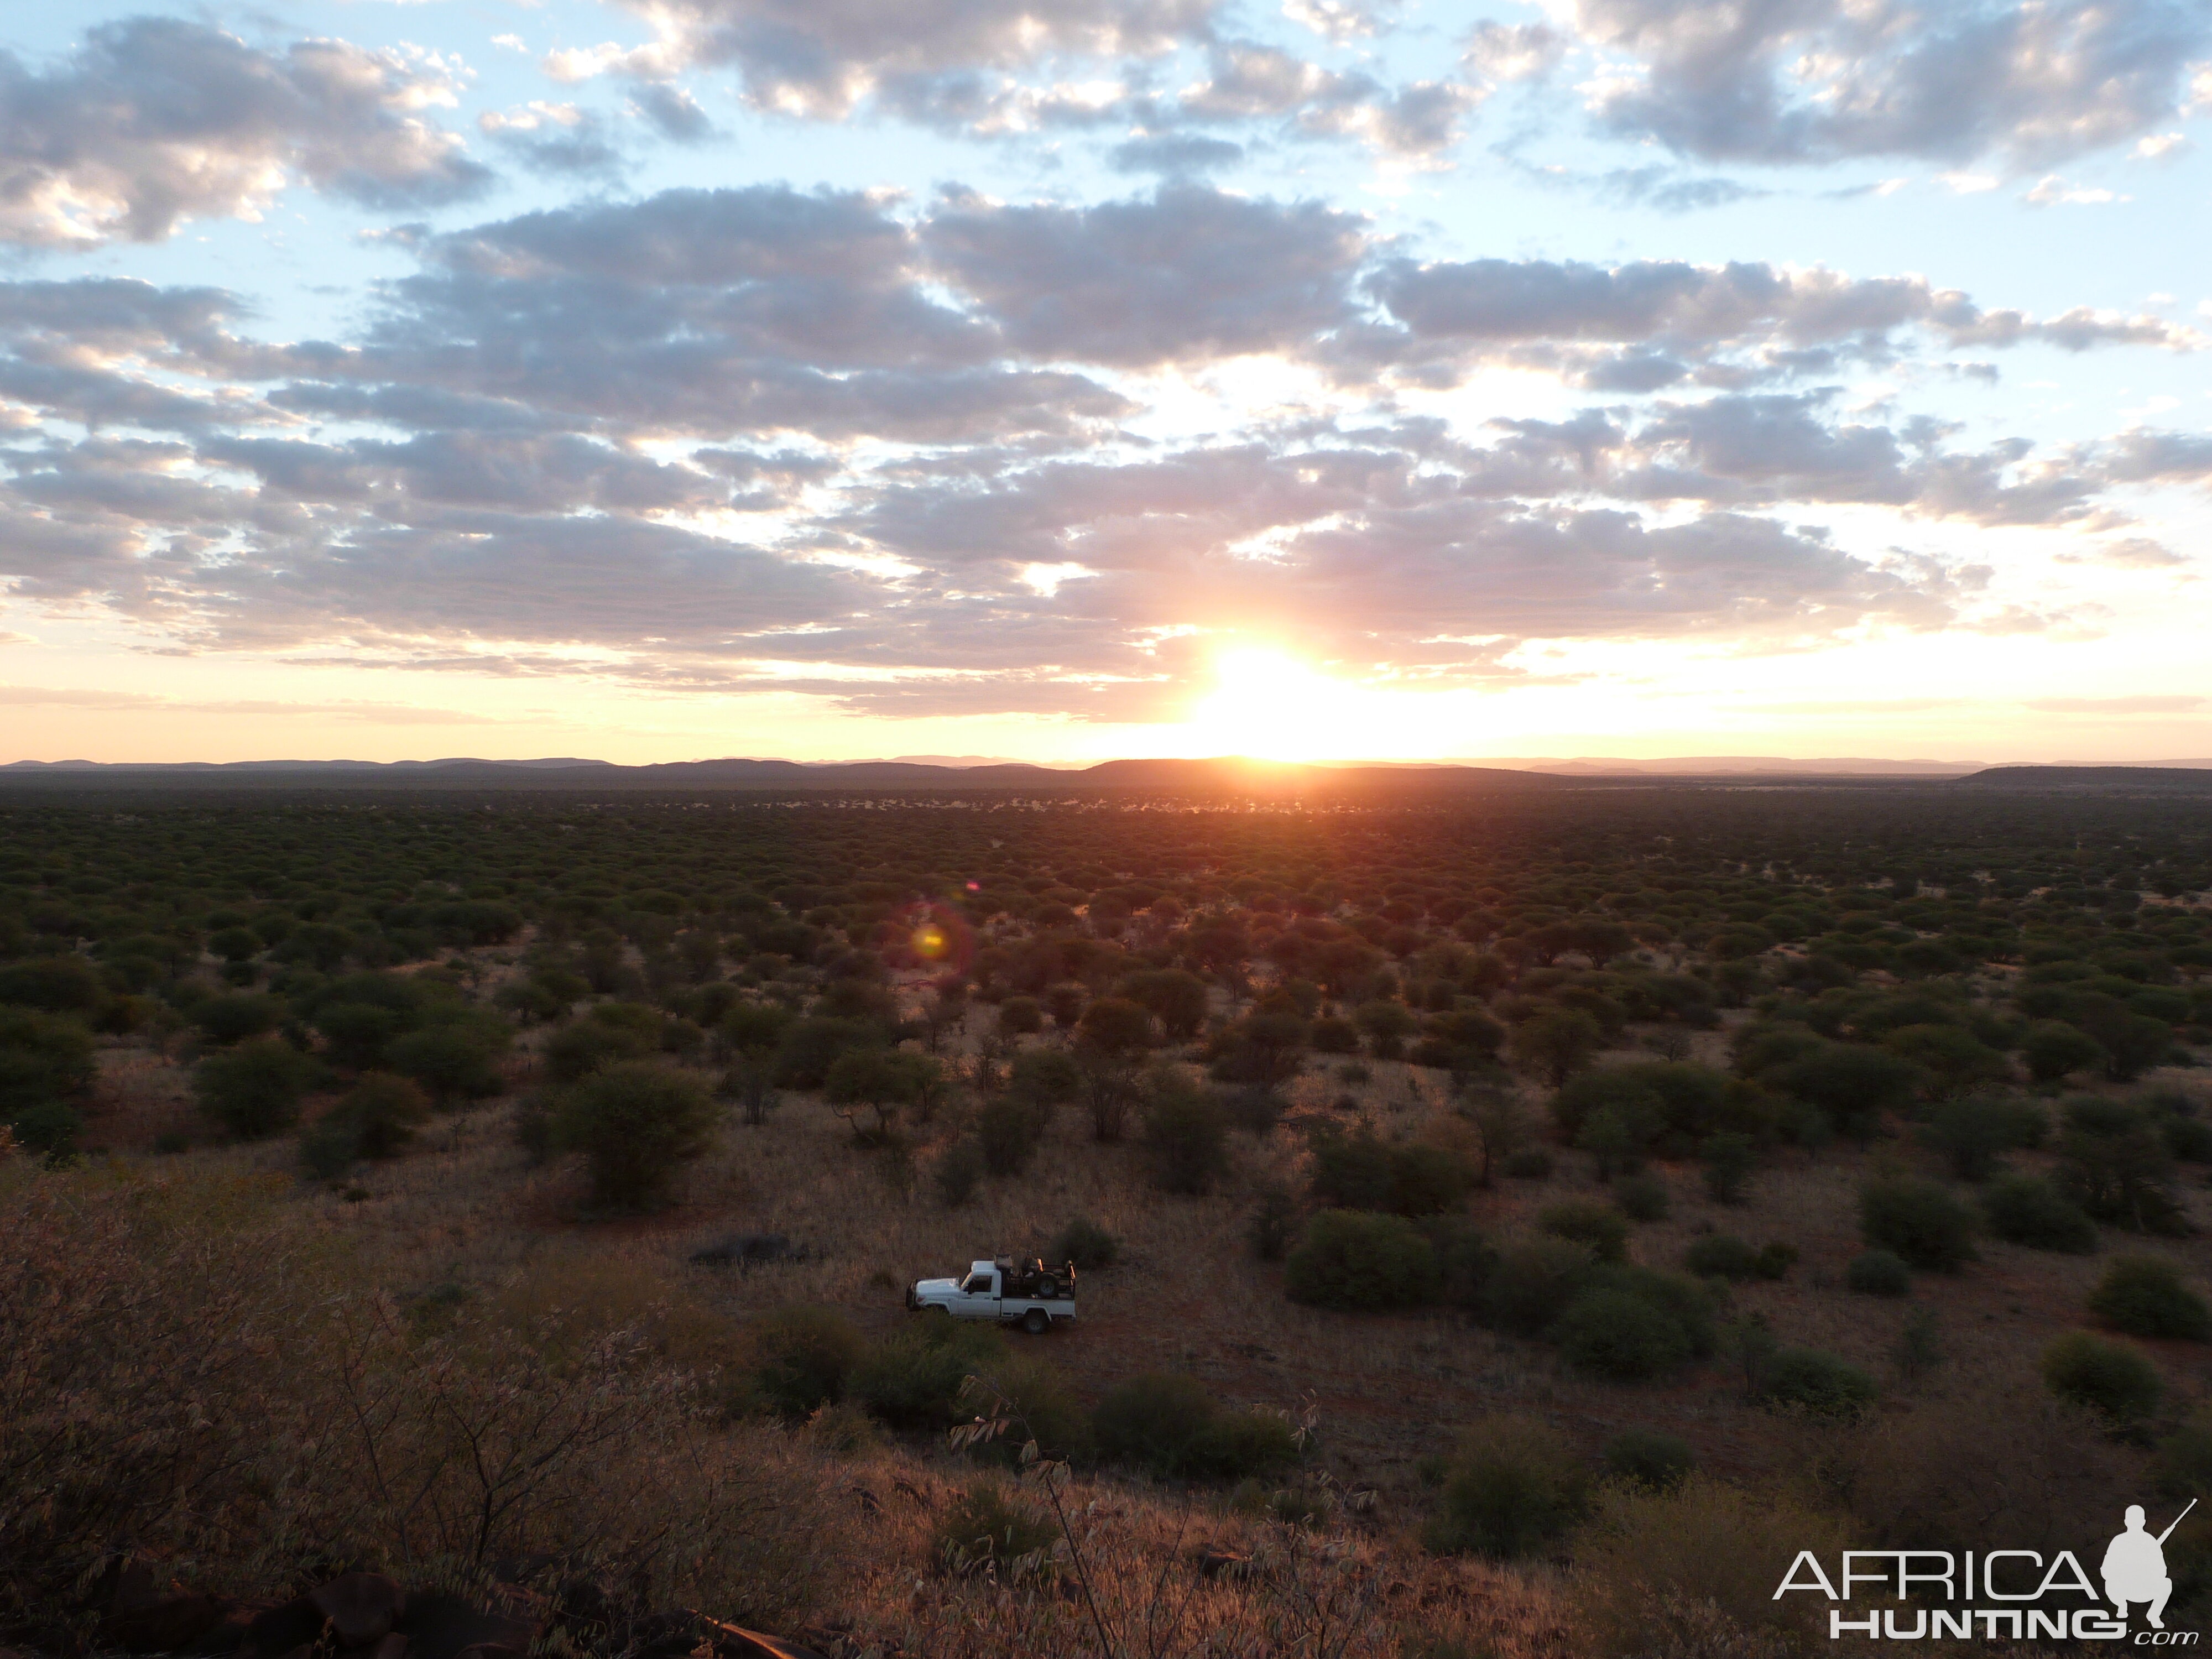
(1272, 707)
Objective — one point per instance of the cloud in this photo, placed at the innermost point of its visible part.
(380, 714)
(824, 58)
(1647, 324)
(2144, 705)
(1174, 155)
(553, 138)
(155, 120)
(1192, 272)
(2032, 83)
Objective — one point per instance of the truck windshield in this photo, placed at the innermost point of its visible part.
(977, 1285)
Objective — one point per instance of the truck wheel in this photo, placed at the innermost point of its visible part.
(1036, 1321)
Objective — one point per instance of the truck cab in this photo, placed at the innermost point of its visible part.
(1033, 1296)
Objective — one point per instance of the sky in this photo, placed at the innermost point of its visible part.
(1061, 380)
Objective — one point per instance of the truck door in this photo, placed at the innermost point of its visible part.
(979, 1296)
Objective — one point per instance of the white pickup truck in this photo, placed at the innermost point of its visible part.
(1033, 1296)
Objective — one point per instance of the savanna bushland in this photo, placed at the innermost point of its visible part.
(1510, 1224)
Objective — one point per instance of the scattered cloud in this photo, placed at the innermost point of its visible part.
(155, 120)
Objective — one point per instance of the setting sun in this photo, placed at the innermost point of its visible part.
(1271, 706)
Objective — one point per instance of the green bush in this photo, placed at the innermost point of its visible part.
(2027, 1209)
(1776, 1258)
(1721, 1255)
(1815, 1383)
(1729, 1160)
(457, 1059)
(1361, 1263)
(1918, 1220)
(960, 1171)
(2053, 1050)
(1690, 1303)
(254, 1089)
(1643, 1198)
(1599, 1226)
(49, 1127)
(1170, 1425)
(1650, 1459)
(1532, 1279)
(1878, 1273)
(802, 1359)
(1186, 1139)
(1009, 1129)
(228, 1020)
(383, 1112)
(2144, 1296)
(912, 1379)
(1085, 1243)
(1274, 1223)
(990, 1526)
(1529, 1163)
(1976, 1132)
(602, 1037)
(44, 1058)
(1511, 1485)
(1035, 1397)
(636, 1123)
(2108, 1377)
(1620, 1337)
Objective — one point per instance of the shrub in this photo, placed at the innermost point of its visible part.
(1976, 1132)
(802, 1358)
(1643, 1198)
(1020, 1017)
(1878, 1273)
(456, 1060)
(960, 1171)
(2143, 1295)
(1511, 1485)
(987, 1528)
(1085, 1243)
(2181, 1465)
(1600, 1226)
(601, 1039)
(228, 1020)
(1817, 1384)
(49, 1127)
(1721, 1255)
(1776, 1258)
(2108, 1377)
(254, 1089)
(1274, 1222)
(1729, 1160)
(1620, 1337)
(2053, 1050)
(1186, 1139)
(1648, 1459)
(636, 1123)
(1531, 1280)
(383, 1112)
(1033, 1396)
(2027, 1209)
(43, 1058)
(912, 1379)
(1918, 1220)
(1009, 1129)
(1688, 1302)
(1360, 1263)
(1529, 1163)
(1169, 1424)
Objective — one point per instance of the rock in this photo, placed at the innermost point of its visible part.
(278, 1630)
(439, 1627)
(361, 1606)
(163, 1626)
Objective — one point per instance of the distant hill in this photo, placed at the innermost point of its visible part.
(2164, 780)
(1226, 775)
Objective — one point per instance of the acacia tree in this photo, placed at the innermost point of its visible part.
(1556, 1043)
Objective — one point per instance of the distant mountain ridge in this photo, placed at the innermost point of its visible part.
(1221, 774)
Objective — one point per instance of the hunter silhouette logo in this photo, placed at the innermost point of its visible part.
(2134, 1566)
(1999, 1595)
